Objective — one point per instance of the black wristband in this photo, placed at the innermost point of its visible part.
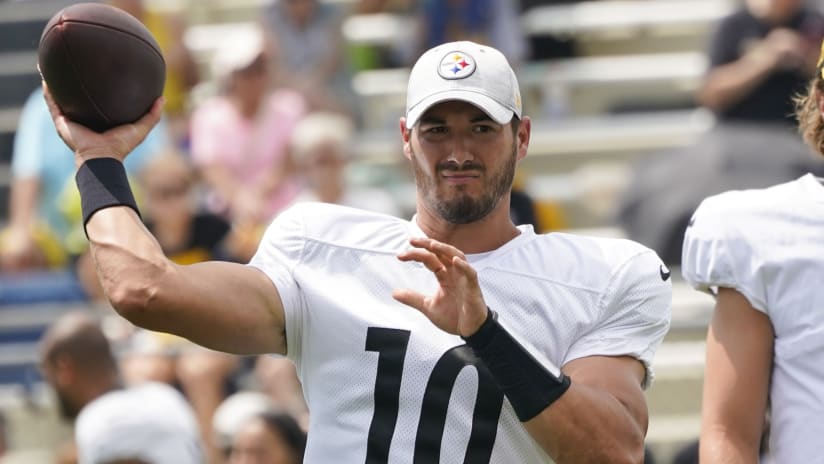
(529, 386)
(103, 183)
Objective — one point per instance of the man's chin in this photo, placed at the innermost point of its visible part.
(462, 212)
(67, 410)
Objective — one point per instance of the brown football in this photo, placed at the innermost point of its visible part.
(102, 66)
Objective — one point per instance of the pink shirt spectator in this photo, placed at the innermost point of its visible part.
(250, 149)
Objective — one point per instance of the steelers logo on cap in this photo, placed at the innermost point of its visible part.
(456, 65)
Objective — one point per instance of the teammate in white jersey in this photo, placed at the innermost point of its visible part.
(453, 337)
(761, 253)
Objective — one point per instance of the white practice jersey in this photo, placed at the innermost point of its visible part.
(767, 244)
(385, 385)
(152, 422)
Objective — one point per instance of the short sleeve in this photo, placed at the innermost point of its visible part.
(635, 313)
(725, 42)
(715, 254)
(280, 251)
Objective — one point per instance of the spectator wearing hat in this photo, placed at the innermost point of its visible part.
(240, 136)
(149, 423)
(233, 412)
(321, 148)
(271, 437)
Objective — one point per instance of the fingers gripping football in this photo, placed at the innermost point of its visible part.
(116, 142)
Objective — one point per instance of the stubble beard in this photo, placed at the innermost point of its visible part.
(463, 208)
(65, 406)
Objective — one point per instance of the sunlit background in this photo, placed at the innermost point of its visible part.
(610, 85)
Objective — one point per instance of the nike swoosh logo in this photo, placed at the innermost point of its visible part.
(665, 273)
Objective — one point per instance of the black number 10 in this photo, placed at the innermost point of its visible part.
(391, 346)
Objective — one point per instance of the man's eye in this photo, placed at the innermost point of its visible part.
(482, 129)
(436, 130)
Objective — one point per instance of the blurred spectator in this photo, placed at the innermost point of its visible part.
(150, 422)
(277, 378)
(172, 212)
(491, 22)
(761, 56)
(269, 438)
(181, 69)
(204, 376)
(42, 167)
(240, 137)
(309, 51)
(321, 147)
(233, 412)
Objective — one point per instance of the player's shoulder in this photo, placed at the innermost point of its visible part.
(740, 211)
(345, 226)
(594, 262)
(733, 234)
(610, 251)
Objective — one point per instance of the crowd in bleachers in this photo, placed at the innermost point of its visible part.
(271, 113)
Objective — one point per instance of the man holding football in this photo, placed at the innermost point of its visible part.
(451, 337)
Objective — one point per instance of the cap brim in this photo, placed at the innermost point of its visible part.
(498, 112)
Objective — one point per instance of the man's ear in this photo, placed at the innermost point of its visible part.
(406, 137)
(524, 134)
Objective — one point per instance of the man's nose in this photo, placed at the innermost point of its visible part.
(460, 151)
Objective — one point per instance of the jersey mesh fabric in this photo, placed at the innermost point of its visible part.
(767, 245)
(335, 269)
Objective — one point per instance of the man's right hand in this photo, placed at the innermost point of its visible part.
(787, 48)
(114, 143)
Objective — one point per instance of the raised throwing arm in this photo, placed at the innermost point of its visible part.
(223, 306)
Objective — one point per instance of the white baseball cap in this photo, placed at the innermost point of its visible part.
(235, 411)
(466, 71)
(151, 422)
(237, 51)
